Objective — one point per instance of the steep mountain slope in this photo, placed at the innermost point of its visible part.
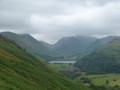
(73, 45)
(100, 42)
(22, 71)
(103, 60)
(96, 45)
(50, 46)
(29, 43)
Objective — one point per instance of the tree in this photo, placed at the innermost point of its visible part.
(116, 86)
(107, 82)
(114, 80)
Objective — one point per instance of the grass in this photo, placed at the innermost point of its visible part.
(20, 70)
(63, 67)
(114, 79)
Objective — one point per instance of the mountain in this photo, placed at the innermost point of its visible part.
(100, 42)
(20, 70)
(96, 45)
(73, 45)
(103, 60)
(30, 44)
(50, 46)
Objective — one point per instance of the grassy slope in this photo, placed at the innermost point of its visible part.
(96, 45)
(22, 71)
(100, 79)
(29, 43)
(103, 60)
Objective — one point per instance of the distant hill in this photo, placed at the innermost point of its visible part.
(96, 45)
(22, 71)
(103, 60)
(31, 45)
(73, 45)
(100, 42)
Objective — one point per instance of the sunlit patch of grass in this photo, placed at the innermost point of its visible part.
(100, 79)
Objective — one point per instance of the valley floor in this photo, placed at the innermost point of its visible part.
(111, 80)
(103, 79)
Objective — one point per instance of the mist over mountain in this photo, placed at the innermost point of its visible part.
(50, 20)
(73, 45)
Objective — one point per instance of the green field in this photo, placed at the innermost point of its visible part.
(114, 79)
(63, 67)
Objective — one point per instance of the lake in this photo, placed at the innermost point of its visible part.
(62, 62)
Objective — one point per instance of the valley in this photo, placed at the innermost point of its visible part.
(20, 70)
(90, 65)
(59, 44)
(101, 79)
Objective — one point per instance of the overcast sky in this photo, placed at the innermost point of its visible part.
(50, 20)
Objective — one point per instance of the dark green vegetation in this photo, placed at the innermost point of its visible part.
(67, 69)
(96, 82)
(101, 81)
(103, 60)
(22, 71)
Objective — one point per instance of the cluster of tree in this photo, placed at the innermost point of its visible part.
(72, 74)
(105, 87)
(86, 80)
(94, 87)
(98, 63)
(48, 58)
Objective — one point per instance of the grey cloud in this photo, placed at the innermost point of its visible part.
(52, 19)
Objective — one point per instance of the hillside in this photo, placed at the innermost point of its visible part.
(30, 44)
(100, 42)
(96, 45)
(50, 46)
(104, 60)
(73, 45)
(22, 71)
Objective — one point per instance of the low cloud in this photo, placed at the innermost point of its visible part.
(49, 20)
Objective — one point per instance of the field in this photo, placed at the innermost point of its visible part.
(113, 79)
(63, 67)
(99, 80)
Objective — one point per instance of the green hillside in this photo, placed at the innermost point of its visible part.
(100, 42)
(103, 60)
(30, 44)
(96, 45)
(22, 71)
